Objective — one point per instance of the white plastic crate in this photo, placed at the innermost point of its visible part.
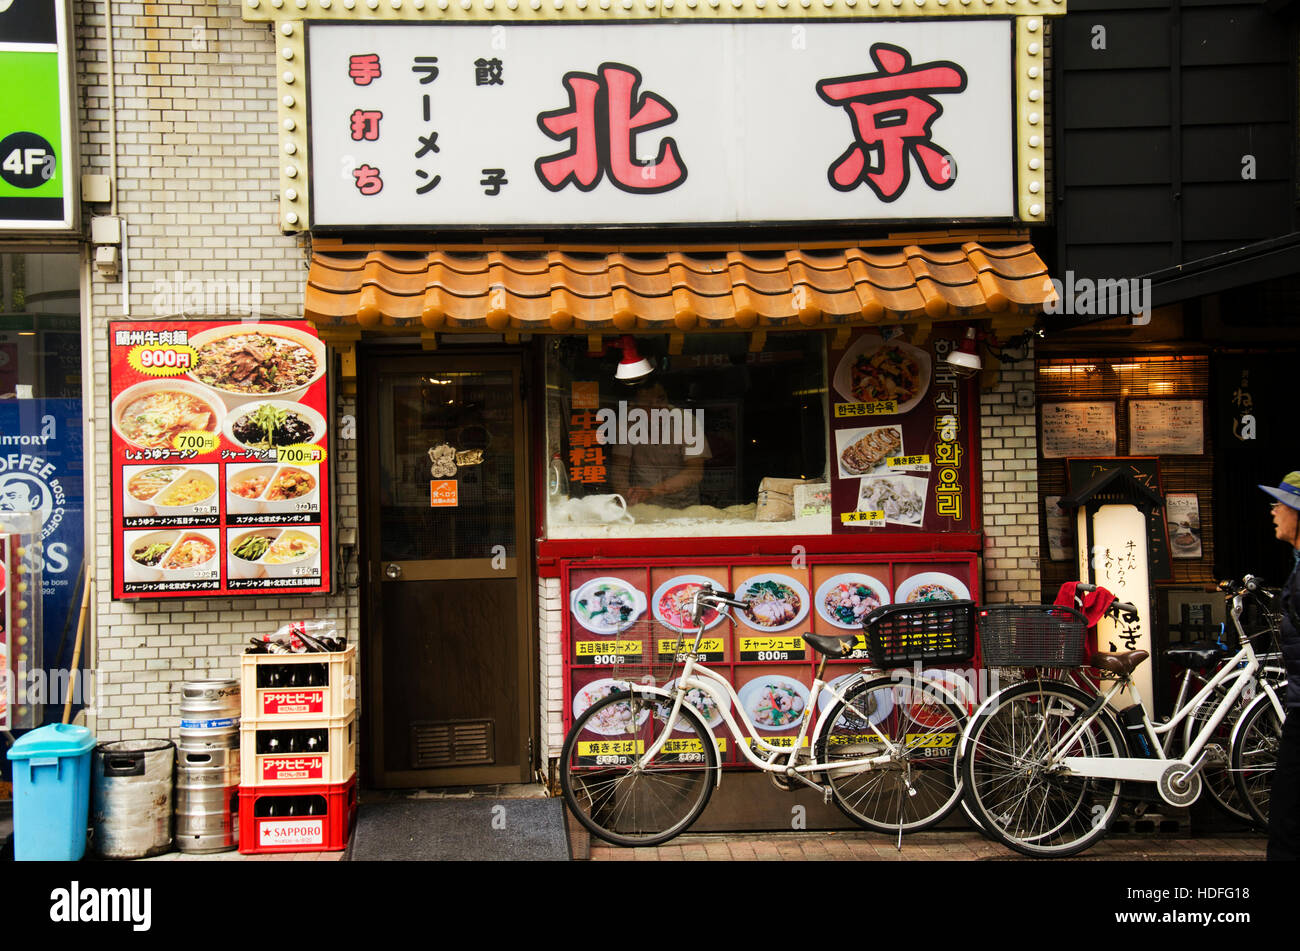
(299, 765)
(306, 699)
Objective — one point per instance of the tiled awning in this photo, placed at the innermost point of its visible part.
(619, 289)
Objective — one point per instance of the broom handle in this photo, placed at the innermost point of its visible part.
(76, 648)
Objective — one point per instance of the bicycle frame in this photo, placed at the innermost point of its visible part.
(779, 759)
(1144, 769)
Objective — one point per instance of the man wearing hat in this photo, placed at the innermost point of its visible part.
(1284, 800)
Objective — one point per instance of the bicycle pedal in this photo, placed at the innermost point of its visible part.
(828, 794)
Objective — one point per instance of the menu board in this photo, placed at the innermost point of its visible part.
(627, 622)
(901, 430)
(1078, 429)
(1166, 427)
(220, 481)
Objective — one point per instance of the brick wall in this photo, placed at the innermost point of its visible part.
(197, 189)
(1009, 457)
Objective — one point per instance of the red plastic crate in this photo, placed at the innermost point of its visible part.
(315, 833)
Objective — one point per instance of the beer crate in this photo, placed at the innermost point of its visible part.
(336, 697)
(295, 762)
(322, 819)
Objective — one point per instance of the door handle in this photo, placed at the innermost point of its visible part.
(393, 571)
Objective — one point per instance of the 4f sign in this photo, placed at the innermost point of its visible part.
(37, 180)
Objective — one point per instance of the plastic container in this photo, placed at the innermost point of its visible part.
(51, 768)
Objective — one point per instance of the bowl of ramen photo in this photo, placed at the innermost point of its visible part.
(144, 483)
(171, 556)
(252, 361)
(193, 492)
(274, 553)
(269, 424)
(150, 415)
(252, 490)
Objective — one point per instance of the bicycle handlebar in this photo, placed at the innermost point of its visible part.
(1116, 607)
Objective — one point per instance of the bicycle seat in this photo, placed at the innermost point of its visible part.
(1196, 656)
(832, 645)
(1123, 663)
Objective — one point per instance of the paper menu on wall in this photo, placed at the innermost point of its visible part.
(1078, 429)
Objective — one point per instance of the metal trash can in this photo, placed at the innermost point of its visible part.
(131, 794)
(51, 793)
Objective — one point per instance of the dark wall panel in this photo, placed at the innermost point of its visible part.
(1115, 156)
(1111, 99)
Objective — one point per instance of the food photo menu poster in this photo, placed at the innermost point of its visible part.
(219, 458)
(901, 437)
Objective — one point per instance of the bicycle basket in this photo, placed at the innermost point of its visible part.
(1032, 635)
(642, 653)
(899, 634)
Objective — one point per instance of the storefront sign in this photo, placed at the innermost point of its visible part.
(37, 189)
(905, 462)
(219, 461)
(582, 124)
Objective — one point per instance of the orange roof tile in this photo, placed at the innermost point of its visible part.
(625, 289)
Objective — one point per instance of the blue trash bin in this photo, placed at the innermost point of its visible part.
(52, 793)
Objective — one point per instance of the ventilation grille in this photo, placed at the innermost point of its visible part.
(451, 743)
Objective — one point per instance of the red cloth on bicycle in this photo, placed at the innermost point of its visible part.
(1094, 606)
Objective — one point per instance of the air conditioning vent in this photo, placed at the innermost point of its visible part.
(451, 743)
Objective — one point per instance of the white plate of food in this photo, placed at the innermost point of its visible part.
(776, 602)
(275, 553)
(931, 586)
(606, 605)
(863, 451)
(613, 720)
(773, 702)
(248, 361)
(262, 425)
(671, 604)
(151, 414)
(704, 702)
(272, 488)
(170, 490)
(846, 599)
(875, 369)
(186, 555)
(901, 498)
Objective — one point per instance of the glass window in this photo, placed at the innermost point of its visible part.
(685, 450)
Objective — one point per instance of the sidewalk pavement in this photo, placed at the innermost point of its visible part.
(950, 845)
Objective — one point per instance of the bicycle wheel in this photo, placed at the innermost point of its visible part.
(621, 801)
(1023, 801)
(922, 723)
(1254, 755)
(1219, 779)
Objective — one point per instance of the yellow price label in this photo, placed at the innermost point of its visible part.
(873, 518)
(896, 462)
(162, 359)
(709, 645)
(195, 440)
(300, 454)
(771, 643)
(597, 648)
(874, 408)
(784, 742)
(612, 748)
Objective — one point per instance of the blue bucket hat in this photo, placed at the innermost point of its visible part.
(1288, 493)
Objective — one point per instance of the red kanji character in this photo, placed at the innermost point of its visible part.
(888, 121)
(368, 180)
(365, 125)
(609, 103)
(363, 68)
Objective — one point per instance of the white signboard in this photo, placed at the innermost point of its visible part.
(641, 123)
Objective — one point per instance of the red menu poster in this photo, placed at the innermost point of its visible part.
(220, 481)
